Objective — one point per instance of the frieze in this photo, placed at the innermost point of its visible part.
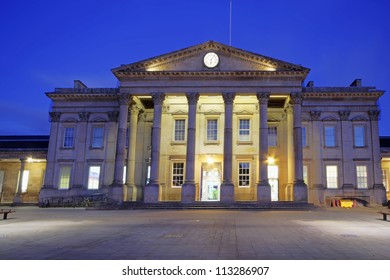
(54, 116)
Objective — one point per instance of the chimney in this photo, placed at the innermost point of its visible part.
(356, 83)
(310, 84)
(79, 84)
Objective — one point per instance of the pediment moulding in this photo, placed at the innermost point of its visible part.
(180, 112)
(359, 118)
(244, 113)
(200, 50)
(330, 119)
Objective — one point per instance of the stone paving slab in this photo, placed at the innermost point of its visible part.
(62, 234)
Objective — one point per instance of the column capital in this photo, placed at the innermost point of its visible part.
(315, 115)
(344, 115)
(296, 98)
(54, 116)
(125, 99)
(374, 114)
(192, 98)
(134, 109)
(84, 116)
(263, 97)
(288, 109)
(113, 116)
(228, 97)
(158, 98)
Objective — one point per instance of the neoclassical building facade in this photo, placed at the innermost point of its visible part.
(215, 123)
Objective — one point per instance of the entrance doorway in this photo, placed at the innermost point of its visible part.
(211, 181)
(273, 179)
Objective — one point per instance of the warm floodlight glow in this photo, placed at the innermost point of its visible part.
(29, 159)
(210, 160)
(271, 160)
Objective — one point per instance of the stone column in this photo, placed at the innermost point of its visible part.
(316, 195)
(263, 187)
(227, 186)
(300, 188)
(152, 189)
(116, 188)
(80, 147)
(51, 153)
(289, 191)
(378, 187)
(346, 145)
(132, 189)
(17, 197)
(188, 188)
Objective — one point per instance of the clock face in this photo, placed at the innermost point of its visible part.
(211, 60)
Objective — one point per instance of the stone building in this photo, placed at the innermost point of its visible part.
(215, 123)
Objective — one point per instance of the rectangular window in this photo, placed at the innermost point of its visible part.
(244, 130)
(69, 137)
(93, 177)
(212, 130)
(64, 177)
(177, 174)
(359, 135)
(331, 177)
(180, 127)
(305, 175)
(361, 176)
(97, 137)
(304, 137)
(272, 136)
(25, 176)
(384, 177)
(330, 137)
(244, 174)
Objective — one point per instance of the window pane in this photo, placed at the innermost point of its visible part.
(68, 137)
(305, 174)
(361, 174)
(359, 136)
(243, 174)
(25, 180)
(244, 130)
(212, 130)
(97, 137)
(330, 136)
(304, 142)
(177, 174)
(331, 176)
(272, 136)
(93, 177)
(179, 130)
(64, 177)
(384, 176)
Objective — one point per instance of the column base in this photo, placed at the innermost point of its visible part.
(300, 191)
(316, 194)
(263, 192)
(227, 192)
(17, 199)
(188, 193)
(151, 193)
(380, 197)
(130, 192)
(115, 192)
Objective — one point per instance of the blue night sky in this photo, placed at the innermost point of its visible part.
(48, 44)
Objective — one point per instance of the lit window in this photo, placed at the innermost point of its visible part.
(69, 137)
(212, 130)
(359, 135)
(384, 177)
(25, 175)
(244, 130)
(243, 174)
(330, 139)
(331, 177)
(97, 137)
(64, 177)
(361, 176)
(124, 174)
(305, 175)
(179, 130)
(304, 137)
(272, 136)
(177, 174)
(93, 177)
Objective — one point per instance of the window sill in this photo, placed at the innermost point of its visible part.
(174, 143)
(212, 143)
(96, 148)
(360, 147)
(244, 142)
(67, 148)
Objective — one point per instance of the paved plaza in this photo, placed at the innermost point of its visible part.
(332, 233)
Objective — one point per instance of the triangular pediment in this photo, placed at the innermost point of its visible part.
(191, 60)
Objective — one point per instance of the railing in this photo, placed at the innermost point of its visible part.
(75, 201)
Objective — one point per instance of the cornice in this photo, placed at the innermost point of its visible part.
(76, 96)
(374, 94)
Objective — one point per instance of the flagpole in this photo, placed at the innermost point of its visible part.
(230, 24)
